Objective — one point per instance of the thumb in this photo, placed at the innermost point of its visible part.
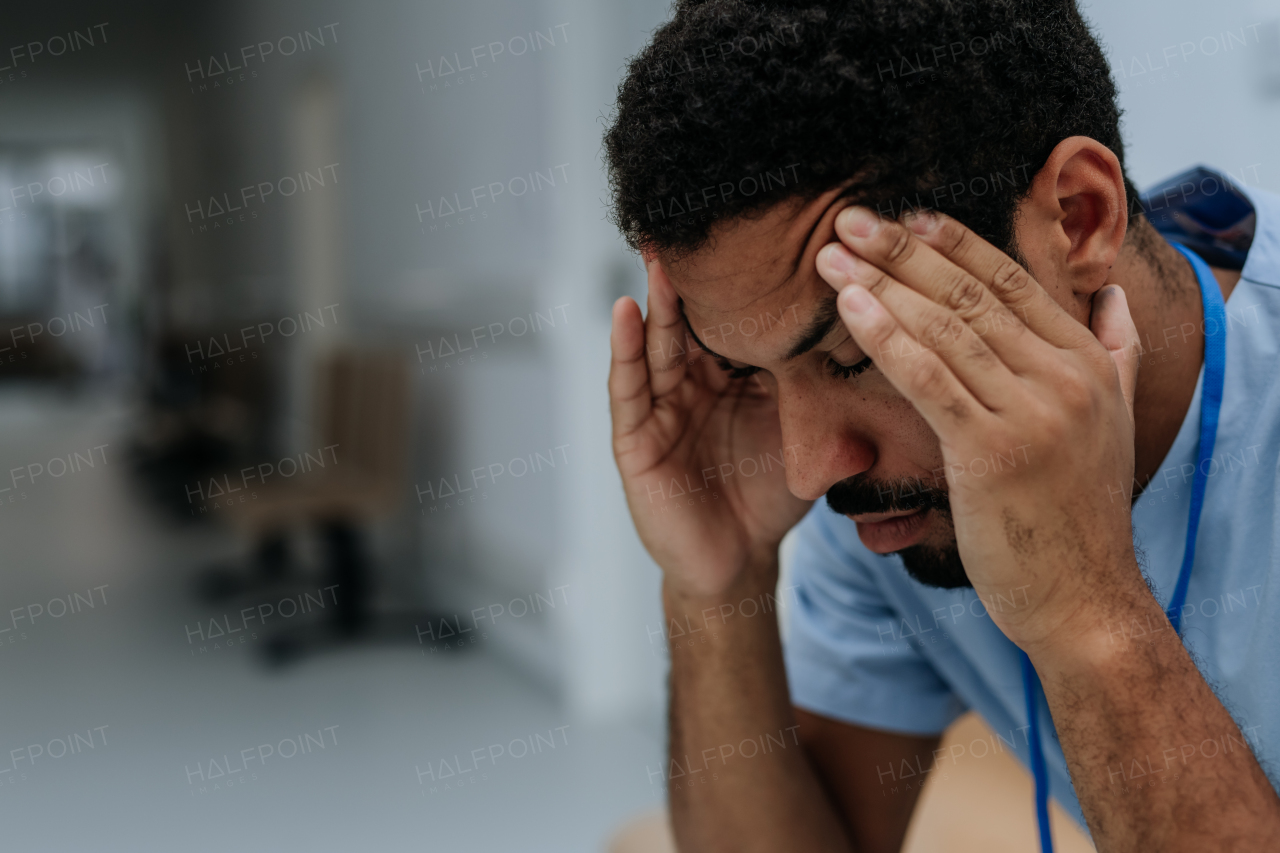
(1114, 329)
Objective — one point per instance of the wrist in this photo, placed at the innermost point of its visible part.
(753, 593)
(1101, 640)
(690, 589)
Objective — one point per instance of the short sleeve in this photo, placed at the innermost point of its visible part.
(841, 657)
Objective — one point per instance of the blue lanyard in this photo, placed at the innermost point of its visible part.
(1215, 367)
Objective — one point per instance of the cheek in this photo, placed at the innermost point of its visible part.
(1078, 305)
(905, 443)
(868, 424)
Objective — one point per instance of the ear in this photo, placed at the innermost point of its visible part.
(1072, 225)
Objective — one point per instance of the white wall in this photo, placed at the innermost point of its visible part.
(1203, 98)
(405, 145)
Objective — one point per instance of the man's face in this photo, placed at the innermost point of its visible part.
(754, 298)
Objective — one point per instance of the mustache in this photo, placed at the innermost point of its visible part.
(860, 494)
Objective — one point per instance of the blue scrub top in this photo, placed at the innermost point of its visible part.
(865, 643)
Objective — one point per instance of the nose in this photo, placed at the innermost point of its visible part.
(821, 444)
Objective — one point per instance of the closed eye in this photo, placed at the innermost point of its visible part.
(736, 372)
(848, 371)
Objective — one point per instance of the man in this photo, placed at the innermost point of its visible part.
(1001, 402)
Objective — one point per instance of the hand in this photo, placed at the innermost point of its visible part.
(682, 428)
(1016, 389)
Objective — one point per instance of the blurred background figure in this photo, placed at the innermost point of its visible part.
(312, 535)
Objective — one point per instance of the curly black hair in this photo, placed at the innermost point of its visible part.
(952, 105)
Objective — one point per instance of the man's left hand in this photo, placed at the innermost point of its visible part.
(1033, 410)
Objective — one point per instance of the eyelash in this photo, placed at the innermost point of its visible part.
(842, 371)
(736, 372)
(848, 371)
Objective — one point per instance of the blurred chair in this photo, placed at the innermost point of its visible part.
(362, 419)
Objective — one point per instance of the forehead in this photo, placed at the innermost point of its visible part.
(762, 267)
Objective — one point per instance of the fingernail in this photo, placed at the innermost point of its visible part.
(922, 221)
(860, 221)
(839, 259)
(856, 298)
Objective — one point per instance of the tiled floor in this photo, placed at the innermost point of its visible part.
(171, 750)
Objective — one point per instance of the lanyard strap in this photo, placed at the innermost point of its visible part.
(1039, 771)
(1215, 368)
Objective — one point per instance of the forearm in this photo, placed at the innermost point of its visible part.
(1157, 762)
(738, 778)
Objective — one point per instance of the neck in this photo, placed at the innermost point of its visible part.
(1164, 301)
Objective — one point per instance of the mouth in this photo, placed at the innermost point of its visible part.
(886, 532)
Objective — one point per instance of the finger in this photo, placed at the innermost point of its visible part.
(924, 379)
(666, 339)
(1005, 277)
(1113, 326)
(892, 247)
(928, 326)
(630, 397)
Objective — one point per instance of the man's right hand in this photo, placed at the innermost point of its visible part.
(682, 429)
(676, 414)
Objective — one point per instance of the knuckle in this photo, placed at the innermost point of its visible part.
(965, 295)
(881, 334)
(952, 237)
(1075, 391)
(1056, 434)
(942, 330)
(1010, 280)
(900, 244)
(1007, 319)
(978, 352)
(1001, 439)
(1048, 424)
(929, 379)
(874, 280)
(957, 409)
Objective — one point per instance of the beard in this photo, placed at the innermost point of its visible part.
(932, 565)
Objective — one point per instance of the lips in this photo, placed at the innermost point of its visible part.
(886, 532)
(876, 517)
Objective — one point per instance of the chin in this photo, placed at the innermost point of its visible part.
(926, 542)
(935, 566)
(933, 559)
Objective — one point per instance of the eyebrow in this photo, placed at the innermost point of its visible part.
(824, 319)
(820, 325)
